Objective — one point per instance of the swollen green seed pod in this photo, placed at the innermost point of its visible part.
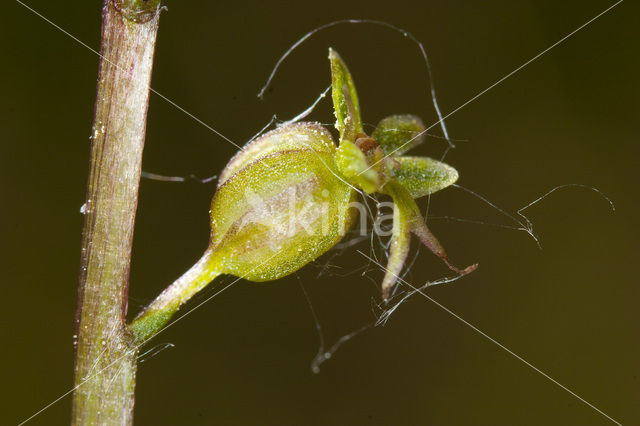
(284, 199)
(280, 204)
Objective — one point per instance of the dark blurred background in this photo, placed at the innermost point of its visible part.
(243, 358)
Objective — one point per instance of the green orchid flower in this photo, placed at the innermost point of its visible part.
(375, 164)
(286, 198)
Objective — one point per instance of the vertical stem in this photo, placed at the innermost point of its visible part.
(105, 357)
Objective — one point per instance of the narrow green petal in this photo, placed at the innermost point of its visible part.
(345, 98)
(397, 134)
(353, 165)
(422, 175)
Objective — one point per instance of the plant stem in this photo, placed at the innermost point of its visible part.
(105, 365)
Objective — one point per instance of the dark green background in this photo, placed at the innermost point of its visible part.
(243, 358)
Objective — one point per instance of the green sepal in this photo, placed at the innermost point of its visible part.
(397, 134)
(421, 175)
(345, 98)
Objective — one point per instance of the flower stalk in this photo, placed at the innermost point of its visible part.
(155, 316)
